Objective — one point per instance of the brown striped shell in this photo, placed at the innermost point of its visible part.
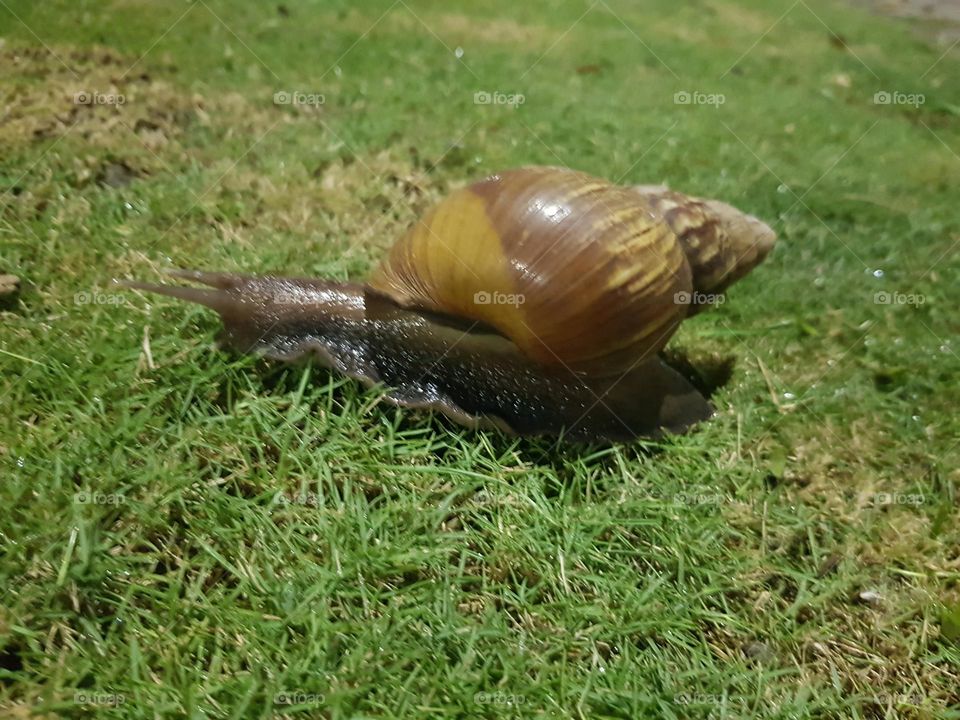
(577, 271)
(721, 243)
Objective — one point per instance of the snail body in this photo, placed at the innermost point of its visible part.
(536, 300)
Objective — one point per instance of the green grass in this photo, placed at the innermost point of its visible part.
(197, 534)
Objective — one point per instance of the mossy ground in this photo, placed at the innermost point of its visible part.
(189, 533)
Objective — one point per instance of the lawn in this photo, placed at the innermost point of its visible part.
(186, 532)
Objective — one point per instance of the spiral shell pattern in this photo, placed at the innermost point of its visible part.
(577, 271)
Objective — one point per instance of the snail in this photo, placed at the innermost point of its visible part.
(536, 300)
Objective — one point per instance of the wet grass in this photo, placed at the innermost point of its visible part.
(189, 533)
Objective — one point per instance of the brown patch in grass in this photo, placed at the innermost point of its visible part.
(745, 19)
(871, 618)
(87, 93)
(466, 29)
(451, 28)
(373, 200)
(128, 128)
(348, 211)
(344, 212)
(97, 116)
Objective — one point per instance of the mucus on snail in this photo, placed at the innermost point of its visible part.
(537, 300)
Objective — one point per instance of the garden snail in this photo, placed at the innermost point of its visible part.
(535, 300)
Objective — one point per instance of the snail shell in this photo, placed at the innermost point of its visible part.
(536, 300)
(593, 271)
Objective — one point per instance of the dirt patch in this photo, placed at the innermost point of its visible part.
(749, 21)
(91, 93)
(81, 122)
(352, 209)
(100, 119)
(494, 30)
(106, 120)
(451, 28)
